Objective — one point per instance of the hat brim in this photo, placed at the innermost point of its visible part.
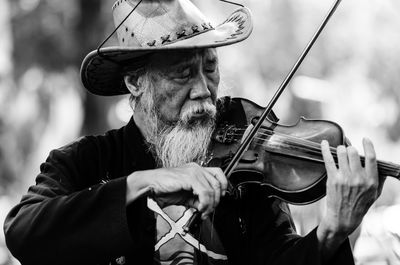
(102, 72)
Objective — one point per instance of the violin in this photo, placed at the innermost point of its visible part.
(284, 160)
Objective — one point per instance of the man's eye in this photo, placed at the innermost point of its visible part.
(210, 69)
(183, 74)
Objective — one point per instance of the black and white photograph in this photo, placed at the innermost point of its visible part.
(200, 132)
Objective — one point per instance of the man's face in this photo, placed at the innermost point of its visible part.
(177, 108)
(182, 81)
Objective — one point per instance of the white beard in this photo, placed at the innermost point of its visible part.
(182, 142)
(178, 145)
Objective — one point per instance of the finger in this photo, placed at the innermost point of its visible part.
(343, 160)
(204, 191)
(215, 184)
(371, 167)
(354, 159)
(328, 158)
(193, 202)
(220, 176)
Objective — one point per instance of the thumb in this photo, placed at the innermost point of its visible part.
(194, 202)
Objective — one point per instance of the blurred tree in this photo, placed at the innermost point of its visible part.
(90, 31)
(60, 33)
(7, 165)
(49, 41)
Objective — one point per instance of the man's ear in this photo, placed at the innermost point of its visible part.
(131, 82)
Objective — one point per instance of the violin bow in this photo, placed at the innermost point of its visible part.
(249, 137)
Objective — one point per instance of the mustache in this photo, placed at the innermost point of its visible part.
(202, 111)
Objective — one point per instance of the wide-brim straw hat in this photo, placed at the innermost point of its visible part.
(154, 26)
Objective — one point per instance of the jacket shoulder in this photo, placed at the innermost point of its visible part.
(85, 161)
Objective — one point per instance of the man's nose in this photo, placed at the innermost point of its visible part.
(200, 89)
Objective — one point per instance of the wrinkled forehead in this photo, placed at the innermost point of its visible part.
(173, 59)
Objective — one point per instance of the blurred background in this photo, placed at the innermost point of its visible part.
(351, 76)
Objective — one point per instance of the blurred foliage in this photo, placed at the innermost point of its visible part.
(59, 33)
(49, 38)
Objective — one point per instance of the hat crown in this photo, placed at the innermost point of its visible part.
(157, 22)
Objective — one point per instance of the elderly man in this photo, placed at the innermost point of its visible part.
(125, 197)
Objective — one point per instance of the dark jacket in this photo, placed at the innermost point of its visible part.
(76, 213)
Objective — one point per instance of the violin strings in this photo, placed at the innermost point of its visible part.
(299, 141)
(288, 144)
(314, 148)
(295, 143)
(307, 146)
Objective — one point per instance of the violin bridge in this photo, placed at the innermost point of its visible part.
(226, 134)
